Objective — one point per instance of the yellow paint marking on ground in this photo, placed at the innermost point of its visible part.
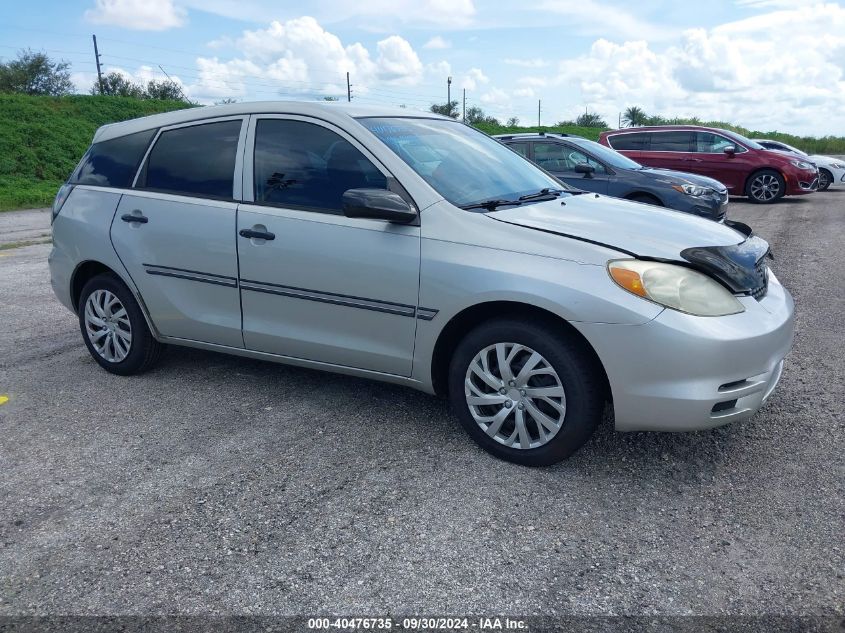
(3, 400)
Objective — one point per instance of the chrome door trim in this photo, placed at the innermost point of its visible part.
(190, 275)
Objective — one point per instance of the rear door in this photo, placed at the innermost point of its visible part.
(320, 286)
(670, 149)
(175, 230)
(561, 159)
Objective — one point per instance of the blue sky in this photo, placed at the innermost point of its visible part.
(765, 64)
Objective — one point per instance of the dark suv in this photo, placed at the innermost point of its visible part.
(746, 167)
(589, 166)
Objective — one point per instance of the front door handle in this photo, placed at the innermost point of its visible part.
(257, 235)
(131, 217)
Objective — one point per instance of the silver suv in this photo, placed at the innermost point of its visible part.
(411, 248)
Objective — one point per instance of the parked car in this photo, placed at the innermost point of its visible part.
(587, 165)
(745, 167)
(414, 249)
(831, 170)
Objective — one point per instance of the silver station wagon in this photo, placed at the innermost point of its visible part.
(411, 248)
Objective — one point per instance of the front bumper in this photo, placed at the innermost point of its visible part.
(801, 182)
(683, 373)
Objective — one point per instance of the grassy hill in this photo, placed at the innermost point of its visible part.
(42, 139)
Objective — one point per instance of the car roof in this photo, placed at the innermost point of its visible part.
(530, 135)
(661, 128)
(333, 112)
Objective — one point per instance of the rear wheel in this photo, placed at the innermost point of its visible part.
(525, 392)
(765, 186)
(825, 179)
(113, 327)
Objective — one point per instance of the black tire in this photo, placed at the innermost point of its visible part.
(762, 197)
(144, 350)
(825, 179)
(575, 366)
(645, 198)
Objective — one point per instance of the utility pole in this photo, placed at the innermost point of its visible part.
(97, 57)
(465, 106)
(538, 113)
(348, 88)
(449, 92)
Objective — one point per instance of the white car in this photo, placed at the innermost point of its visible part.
(831, 170)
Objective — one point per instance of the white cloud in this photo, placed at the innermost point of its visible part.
(473, 78)
(590, 17)
(437, 43)
(524, 92)
(141, 15)
(526, 63)
(779, 70)
(397, 61)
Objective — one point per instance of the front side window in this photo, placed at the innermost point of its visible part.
(306, 165)
(632, 141)
(710, 143)
(460, 163)
(198, 160)
(113, 163)
(560, 157)
(676, 141)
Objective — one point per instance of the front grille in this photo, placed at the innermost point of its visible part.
(761, 271)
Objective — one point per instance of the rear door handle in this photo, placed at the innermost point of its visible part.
(257, 235)
(130, 217)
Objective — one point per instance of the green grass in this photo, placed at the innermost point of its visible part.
(42, 139)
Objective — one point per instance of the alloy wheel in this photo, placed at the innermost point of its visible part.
(824, 180)
(765, 187)
(107, 326)
(515, 395)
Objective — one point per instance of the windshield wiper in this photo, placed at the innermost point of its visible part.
(543, 193)
(491, 205)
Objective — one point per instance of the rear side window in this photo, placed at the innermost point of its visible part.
(195, 161)
(519, 148)
(671, 141)
(306, 165)
(633, 141)
(113, 163)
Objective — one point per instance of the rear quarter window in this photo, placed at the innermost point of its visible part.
(112, 163)
(633, 141)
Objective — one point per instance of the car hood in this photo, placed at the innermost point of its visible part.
(824, 160)
(629, 227)
(733, 256)
(672, 177)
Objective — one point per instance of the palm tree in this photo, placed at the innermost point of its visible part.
(634, 116)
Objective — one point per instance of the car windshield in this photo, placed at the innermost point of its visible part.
(605, 154)
(739, 137)
(463, 165)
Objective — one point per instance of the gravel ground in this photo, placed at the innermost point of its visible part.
(221, 485)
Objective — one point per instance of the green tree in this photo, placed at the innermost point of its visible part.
(117, 85)
(330, 99)
(35, 74)
(167, 90)
(226, 100)
(446, 109)
(590, 119)
(513, 122)
(634, 117)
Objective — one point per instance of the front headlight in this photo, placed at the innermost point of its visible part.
(802, 164)
(691, 190)
(672, 286)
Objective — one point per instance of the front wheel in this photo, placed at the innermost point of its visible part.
(765, 186)
(114, 328)
(825, 179)
(525, 391)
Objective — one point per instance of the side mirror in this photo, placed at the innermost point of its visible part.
(730, 150)
(586, 169)
(377, 204)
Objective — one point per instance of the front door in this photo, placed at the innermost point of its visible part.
(710, 159)
(175, 231)
(561, 159)
(315, 284)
